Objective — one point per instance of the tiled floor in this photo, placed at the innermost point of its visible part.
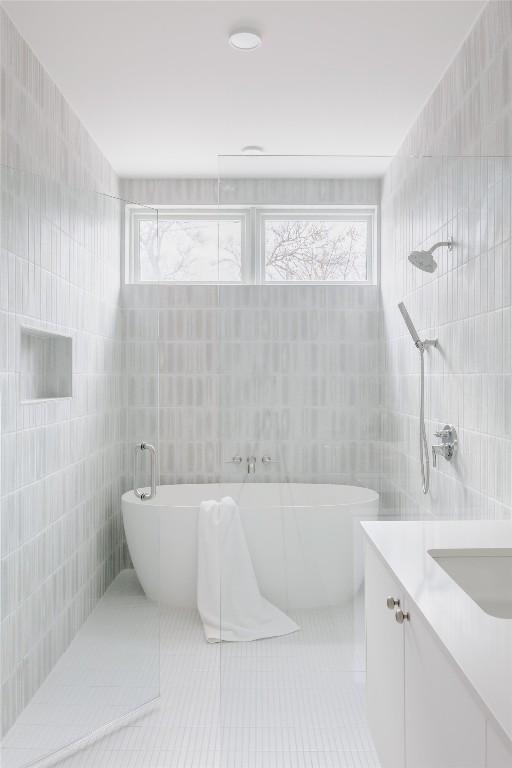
(290, 702)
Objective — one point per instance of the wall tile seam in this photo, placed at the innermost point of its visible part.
(94, 581)
(101, 506)
(62, 570)
(456, 480)
(72, 466)
(416, 499)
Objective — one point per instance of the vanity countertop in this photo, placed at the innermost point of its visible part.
(480, 644)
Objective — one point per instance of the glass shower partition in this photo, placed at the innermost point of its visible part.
(299, 405)
(79, 376)
(186, 302)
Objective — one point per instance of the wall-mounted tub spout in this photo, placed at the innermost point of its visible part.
(251, 465)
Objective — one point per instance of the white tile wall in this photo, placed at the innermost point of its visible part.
(61, 459)
(464, 189)
(289, 371)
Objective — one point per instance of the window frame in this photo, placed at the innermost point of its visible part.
(252, 219)
(367, 214)
(136, 214)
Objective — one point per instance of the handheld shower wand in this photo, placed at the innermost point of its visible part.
(410, 325)
(419, 343)
(420, 346)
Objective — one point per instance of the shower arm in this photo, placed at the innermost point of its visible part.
(442, 244)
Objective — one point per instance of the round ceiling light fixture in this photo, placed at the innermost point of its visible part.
(245, 40)
(252, 149)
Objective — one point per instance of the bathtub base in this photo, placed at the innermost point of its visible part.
(306, 555)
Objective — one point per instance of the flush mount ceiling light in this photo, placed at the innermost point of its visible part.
(244, 40)
(252, 149)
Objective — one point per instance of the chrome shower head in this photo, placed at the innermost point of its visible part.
(424, 260)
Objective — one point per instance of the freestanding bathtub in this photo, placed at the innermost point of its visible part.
(304, 539)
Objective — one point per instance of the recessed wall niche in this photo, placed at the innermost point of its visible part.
(45, 365)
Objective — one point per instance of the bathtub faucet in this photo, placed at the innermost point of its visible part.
(251, 465)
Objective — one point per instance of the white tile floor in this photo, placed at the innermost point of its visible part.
(290, 702)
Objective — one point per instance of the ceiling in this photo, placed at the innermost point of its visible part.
(163, 94)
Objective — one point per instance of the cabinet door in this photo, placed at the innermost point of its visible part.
(444, 725)
(499, 750)
(384, 663)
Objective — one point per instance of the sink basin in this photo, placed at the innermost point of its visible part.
(484, 574)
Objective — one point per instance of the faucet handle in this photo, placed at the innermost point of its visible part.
(269, 460)
(234, 460)
(448, 434)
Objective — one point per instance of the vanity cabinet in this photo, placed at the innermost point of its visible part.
(499, 751)
(384, 663)
(421, 710)
(444, 724)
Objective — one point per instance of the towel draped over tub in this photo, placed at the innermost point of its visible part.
(228, 596)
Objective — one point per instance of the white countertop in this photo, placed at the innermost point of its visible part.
(480, 644)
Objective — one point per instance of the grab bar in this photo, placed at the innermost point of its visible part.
(143, 495)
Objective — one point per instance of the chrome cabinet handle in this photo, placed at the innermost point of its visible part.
(234, 460)
(401, 615)
(152, 452)
(392, 602)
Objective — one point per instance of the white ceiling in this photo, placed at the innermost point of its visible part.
(162, 92)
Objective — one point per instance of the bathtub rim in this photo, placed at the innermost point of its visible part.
(370, 496)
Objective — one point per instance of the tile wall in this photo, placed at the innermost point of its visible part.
(287, 371)
(464, 190)
(61, 459)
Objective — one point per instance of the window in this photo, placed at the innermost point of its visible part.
(252, 245)
(321, 248)
(186, 246)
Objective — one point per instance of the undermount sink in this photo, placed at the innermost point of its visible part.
(484, 574)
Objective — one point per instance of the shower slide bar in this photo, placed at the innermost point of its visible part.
(142, 494)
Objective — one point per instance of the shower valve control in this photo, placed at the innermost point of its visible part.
(448, 445)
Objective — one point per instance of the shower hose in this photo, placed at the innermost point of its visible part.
(424, 458)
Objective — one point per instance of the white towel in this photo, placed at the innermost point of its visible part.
(228, 597)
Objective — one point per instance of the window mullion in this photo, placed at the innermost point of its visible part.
(259, 251)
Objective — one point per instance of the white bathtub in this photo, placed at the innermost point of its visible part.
(304, 539)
